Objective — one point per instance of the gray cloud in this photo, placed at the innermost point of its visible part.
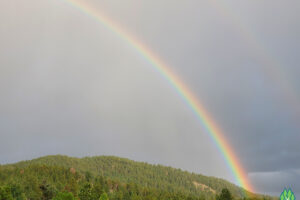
(274, 182)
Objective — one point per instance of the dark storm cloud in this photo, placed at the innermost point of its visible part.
(68, 85)
(274, 182)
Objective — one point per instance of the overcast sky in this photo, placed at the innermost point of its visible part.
(68, 85)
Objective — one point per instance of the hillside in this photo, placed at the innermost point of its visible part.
(61, 170)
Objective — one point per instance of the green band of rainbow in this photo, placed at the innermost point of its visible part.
(190, 99)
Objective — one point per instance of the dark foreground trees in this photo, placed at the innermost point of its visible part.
(225, 195)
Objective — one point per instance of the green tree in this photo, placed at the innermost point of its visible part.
(72, 186)
(97, 190)
(17, 192)
(88, 176)
(86, 192)
(5, 193)
(225, 195)
(64, 196)
(48, 191)
(32, 189)
(103, 196)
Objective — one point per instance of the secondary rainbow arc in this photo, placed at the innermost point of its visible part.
(199, 110)
(272, 68)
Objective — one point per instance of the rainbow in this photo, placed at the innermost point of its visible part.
(202, 115)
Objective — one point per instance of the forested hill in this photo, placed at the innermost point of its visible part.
(61, 171)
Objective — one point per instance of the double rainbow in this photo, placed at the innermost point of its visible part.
(202, 115)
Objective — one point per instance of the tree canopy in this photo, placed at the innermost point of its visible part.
(64, 178)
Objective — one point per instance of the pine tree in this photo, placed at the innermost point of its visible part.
(86, 192)
(103, 196)
(64, 196)
(225, 195)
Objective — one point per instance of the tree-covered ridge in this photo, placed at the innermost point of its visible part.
(52, 182)
(113, 176)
